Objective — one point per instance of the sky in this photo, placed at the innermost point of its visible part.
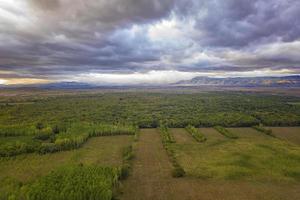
(146, 41)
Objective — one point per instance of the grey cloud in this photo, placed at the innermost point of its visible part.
(54, 38)
(45, 4)
(239, 23)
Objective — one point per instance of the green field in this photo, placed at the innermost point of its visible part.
(23, 169)
(253, 156)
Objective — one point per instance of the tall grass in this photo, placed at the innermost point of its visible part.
(75, 182)
(197, 135)
(109, 130)
(226, 132)
(19, 146)
(17, 130)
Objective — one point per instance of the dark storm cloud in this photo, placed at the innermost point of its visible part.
(238, 23)
(54, 38)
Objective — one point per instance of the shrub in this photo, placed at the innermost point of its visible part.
(128, 153)
(55, 129)
(225, 132)
(48, 148)
(126, 165)
(43, 134)
(197, 135)
(39, 125)
(178, 172)
(167, 140)
(264, 130)
(166, 136)
(125, 171)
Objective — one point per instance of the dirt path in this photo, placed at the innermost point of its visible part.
(182, 136)
(151, 169)
(151, 180)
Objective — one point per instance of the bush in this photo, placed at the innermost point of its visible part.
(197, 135)
(166, 136)
(167, 140)
(125, 171)
(43, 134)
(39, 125)
(178, 172)
(126, 165)
(264, 130)
(225, 132)
(48, 148)
(127, 153)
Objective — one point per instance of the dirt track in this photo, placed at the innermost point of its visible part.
(151, 180)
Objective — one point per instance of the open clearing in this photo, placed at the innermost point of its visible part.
(291, 134)
(151, 177)
(106, 151)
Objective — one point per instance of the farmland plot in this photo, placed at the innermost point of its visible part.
(253, 156)
(151, 177)
(291, 134)
(22, 169)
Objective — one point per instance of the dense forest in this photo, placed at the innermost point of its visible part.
(150, 109)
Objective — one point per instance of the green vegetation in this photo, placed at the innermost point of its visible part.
(253, 157)
(146, 109)
(27, 168)
(225, 132)
(62, 156)
(17, 130)
(197, 135)
(264, 130)
(168, 139)
(11, 146)
(46, 141)
(72, 182)
(127, 161)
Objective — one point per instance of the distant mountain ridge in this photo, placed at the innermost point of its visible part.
(286, 81)
(67, 85)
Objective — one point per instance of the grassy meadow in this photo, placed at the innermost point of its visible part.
(253, 156)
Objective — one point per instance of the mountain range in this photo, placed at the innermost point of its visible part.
(286, 81)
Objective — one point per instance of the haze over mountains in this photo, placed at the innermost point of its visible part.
(286, 81)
